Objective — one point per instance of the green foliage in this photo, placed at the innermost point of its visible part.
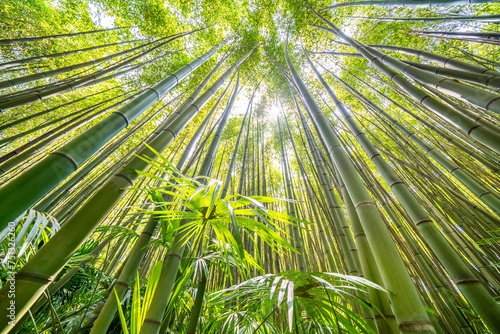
(310, 302)
(140, 304)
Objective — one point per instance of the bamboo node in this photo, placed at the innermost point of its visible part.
(125, 117)
(125, 284)
(422, 100)
(126, 178)
(467, 281)
(70, 158)
(488, 105)
(154, 90)
(416, 326)
(485, 193)
(176, 78)
(152, 321)
(174, 255)
(172, 132)
(387, 316)
(363, 204)
(424, 221)
(437, 83)
(35, 276)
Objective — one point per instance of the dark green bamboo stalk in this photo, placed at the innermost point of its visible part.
(105, 314)
(470, 183)
(40, 179)
(78, 115)
(236, 146)
(48, 203)
(291, 208)
(206, 170)
(403, 3)
(477, 96)
(483, 79)
(47, 74)
(468, 126)
(494, 19)
(490, 162)
(50, 259)
(489, 35)
(26, 118)
(59, 54)
(440, 59)
(474, 292)
(408, 309)
(44, 38)
(92, 78)
(154, 315)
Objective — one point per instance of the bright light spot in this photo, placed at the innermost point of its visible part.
(274, 111)
(99, 16)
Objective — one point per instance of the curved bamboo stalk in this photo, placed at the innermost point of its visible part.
(404, 3)
(409, 311)
(45, 38)
(154, 315)
(25, 61)
(67, 237)
(495, 19)
(467, 125)
(437, 58)
(475, 293)
(58, 71)
(78, 83)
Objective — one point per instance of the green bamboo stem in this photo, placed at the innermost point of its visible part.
(206, 170)
(340, 226)
(154, 315)
(409, 311)
(468, 126)
(404, 3)
(477, 96)
(417, 253)
(27, 150)
(104, 314)
(49, 260)
(291, 206)
(80, 82)
(31, 116)
(470, 183)
(89, 111)
(52, 199)
(29, 187)
(321, 230)
(478, 118)
(228, 178)
(436, 58)
(441, 132)
(45, 38)
(442, 121)
(25, 61)
(482, 79)
(487, 35)
(494, 19)
(47, 74)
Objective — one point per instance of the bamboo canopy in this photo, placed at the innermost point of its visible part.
(250, 167)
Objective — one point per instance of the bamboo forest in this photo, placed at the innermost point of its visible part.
(250, 167)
